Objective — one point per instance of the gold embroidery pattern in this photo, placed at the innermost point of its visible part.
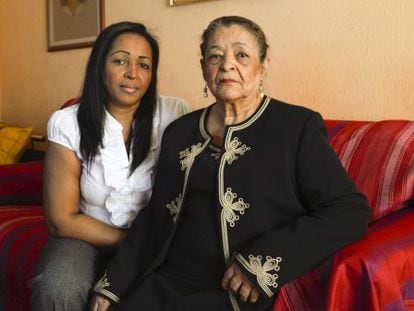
(234, 149)
(175, 205)
(263, 271)
(230, 207)
(187, 156)
(215, 156)
(100, 288)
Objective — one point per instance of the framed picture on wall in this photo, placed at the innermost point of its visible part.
(73, 24)
(181, 2)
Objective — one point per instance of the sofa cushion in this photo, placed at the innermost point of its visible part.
(13, 143)
(379, 157)
(21, 183)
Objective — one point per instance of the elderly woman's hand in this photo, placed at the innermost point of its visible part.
(236, 280)
(99, 303)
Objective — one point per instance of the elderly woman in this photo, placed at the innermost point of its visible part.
(249, 194)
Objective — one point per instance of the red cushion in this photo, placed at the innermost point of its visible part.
(21, 183)
(23, 233)
(379, 157)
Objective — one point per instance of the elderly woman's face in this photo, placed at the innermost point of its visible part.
(231, 65)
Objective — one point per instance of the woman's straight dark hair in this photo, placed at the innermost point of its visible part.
(94, 98)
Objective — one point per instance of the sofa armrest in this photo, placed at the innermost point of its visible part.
(21, 183)
(379, 268)
(373, 274)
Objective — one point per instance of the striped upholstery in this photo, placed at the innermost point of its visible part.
(22, 235)
(374, 274)
(22, 231)
(379, 157)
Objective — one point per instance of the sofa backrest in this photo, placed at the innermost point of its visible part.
(379, 157)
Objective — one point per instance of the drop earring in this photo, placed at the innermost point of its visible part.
(261, 89)
(205, 91)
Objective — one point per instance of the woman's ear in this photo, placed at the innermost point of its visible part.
(265, 66)
(202, 67)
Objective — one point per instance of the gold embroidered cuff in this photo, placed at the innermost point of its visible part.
(264, 277)
(100, 289)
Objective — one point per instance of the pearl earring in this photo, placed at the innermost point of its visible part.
(205, 91)
(261, 89)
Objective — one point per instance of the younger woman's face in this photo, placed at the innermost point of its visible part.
(128, 70)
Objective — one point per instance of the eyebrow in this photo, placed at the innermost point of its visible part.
(128, 53)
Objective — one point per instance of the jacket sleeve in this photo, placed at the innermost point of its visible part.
(336, 215)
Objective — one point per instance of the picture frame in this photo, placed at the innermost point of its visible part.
(73, 24)
(182, 2)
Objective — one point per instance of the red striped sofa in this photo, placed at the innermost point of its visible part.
(373, 274)
(22, 231)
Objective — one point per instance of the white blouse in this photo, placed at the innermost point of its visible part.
(108, 193)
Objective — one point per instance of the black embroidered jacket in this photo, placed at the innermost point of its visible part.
(286, 201)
